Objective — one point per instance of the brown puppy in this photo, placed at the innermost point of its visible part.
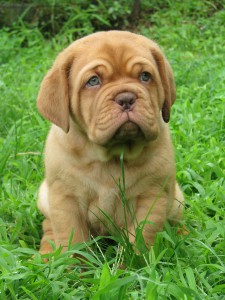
(107, 92)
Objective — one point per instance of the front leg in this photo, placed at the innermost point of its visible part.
(64, 215)
(151, 213)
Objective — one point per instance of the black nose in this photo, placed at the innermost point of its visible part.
(126, 100)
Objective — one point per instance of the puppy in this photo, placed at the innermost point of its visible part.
(108, 93)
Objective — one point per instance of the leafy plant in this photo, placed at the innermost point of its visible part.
(73, 18)
(178, 266)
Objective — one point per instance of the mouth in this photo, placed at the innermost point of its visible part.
(129, 133)
(130, 139)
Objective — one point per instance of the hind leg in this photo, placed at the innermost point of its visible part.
(48, 235)
(176, 211)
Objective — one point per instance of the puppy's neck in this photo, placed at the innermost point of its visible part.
(82, 149)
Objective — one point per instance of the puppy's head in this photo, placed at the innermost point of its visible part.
(116, 86)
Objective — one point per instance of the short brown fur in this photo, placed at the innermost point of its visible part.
(89, 131)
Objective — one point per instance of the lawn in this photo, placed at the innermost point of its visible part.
(180, 267)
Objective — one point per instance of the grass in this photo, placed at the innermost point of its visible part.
(178, 267)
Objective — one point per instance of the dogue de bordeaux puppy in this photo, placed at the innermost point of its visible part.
(106, 94)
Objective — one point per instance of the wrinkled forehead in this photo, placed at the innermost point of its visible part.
(116, 50)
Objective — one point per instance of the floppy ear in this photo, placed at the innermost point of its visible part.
(53, 97)
(166, 74)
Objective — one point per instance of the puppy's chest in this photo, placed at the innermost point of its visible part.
(102, 197)
(107, 204)
(104, 211)
(98, 190)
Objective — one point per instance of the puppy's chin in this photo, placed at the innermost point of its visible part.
(128, 132)
(130, 150)
(128, 139)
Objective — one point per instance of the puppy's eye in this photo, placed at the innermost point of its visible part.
(93, 81)
(145, 76)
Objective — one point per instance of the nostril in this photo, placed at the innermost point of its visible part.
(126, 100)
